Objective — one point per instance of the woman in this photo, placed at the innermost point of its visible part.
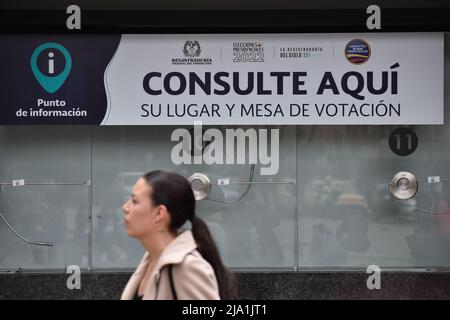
(178, 263)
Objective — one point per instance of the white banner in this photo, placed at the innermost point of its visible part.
(276, 79)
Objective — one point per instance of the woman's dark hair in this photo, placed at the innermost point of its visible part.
(174, 191)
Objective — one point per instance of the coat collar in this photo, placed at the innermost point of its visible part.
(174, 253)
(177, 250)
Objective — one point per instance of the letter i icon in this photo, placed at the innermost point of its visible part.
(51, 63)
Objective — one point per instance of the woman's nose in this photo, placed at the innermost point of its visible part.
(125, 206)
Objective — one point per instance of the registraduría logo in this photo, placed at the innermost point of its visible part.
(300, 52)
(192, 52)
(192, 49)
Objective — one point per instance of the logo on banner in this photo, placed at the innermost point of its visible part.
(300, 52)
(192, 52)
(357, 51)
(192, 49)
(248, 52)
(47, 66)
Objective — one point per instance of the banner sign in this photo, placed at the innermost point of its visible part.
(223, 79)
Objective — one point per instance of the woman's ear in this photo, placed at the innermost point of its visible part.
(162, 217)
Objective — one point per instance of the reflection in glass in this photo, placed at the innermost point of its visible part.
(256, 231)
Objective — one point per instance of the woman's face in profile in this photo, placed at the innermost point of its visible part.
(138, 211)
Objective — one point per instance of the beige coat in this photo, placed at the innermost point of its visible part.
(193, 276)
